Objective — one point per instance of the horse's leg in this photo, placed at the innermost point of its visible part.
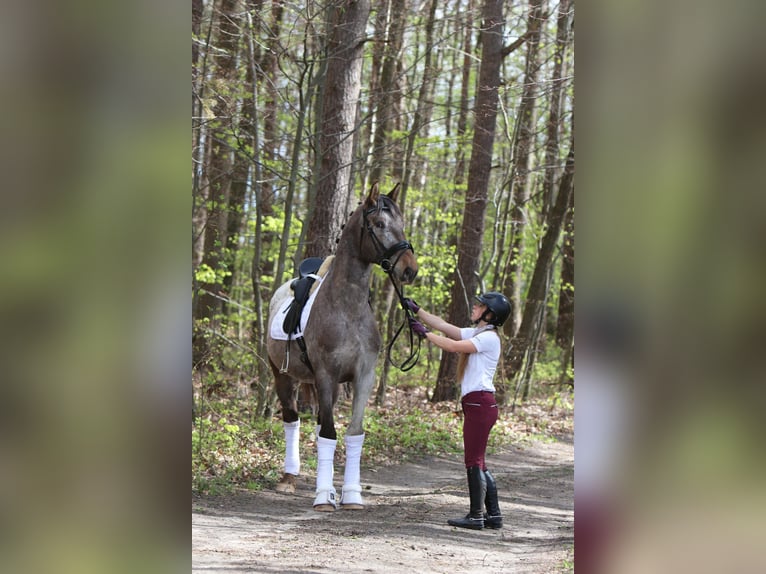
(285, 387)
(326, 442)
(351, 496)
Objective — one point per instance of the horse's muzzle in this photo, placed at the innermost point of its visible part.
(407, 266)
(408, 275)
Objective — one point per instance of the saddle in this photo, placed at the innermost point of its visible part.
(307, 275)
(309, 271)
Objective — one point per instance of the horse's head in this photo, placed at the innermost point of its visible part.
(383, 235)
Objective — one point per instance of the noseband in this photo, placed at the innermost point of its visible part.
(384, 255)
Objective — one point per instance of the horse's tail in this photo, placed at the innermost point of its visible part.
(307, 398)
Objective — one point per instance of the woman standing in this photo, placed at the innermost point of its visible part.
(479, 349)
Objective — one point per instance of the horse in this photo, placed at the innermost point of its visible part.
(340, 343)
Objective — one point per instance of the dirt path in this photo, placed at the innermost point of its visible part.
(404, 527)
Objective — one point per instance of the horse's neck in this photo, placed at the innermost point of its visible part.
(349, 271)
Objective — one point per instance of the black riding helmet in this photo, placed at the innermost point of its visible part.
(498, 304)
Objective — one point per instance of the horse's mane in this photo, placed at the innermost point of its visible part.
(323, 269)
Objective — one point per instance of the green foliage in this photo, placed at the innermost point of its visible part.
(547, 368)
(395, 435)
(232, 448)
(206, 274)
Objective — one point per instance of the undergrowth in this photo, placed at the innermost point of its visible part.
(232, 448)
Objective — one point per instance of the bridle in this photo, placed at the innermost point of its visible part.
(384, 260)
(384, 255)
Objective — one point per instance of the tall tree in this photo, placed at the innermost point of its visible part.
(419, 124)
(219, 163)
(348, 19)
(387, 93)
(525, 338)
(522, 160)
(556, 102)
(199, 72)
(465, 279)
(565, 323)
(462, 121)
(422, 114)
(197, 9)
(565, 320)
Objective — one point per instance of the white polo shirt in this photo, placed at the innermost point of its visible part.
(481, 365)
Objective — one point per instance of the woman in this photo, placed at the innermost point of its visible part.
(479, 349)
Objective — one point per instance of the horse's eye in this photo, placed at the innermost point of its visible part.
(380, 224)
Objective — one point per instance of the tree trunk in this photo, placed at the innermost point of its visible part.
(553, 127)
(219, 175)
(465, 282)
(565, 324)
(524, 339)
(522, 157)
(387, 93)
(341, 98)
(199, 73)
(419, 123)
(424, 105)
(462, 120)
(197, 10)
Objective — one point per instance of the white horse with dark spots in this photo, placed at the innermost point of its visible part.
(340, 343)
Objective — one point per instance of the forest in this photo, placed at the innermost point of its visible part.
(467, 105)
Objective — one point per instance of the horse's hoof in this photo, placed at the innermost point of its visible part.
(324, 508)
(351, 498)
(287, 484)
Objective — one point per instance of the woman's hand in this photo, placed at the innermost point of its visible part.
(411, 305)
(418, 328)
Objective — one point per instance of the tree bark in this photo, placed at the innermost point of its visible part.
(565, 323)
(337, 124)
(197, 10)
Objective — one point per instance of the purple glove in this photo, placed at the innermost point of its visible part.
(414, 307)
(418, 328)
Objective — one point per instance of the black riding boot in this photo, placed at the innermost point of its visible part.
(477, 488)
(492, 519)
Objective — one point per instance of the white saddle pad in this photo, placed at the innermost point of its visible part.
(276, 331)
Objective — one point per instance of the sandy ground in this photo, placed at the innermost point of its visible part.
(403, 528)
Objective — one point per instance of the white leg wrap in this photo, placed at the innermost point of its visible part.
(292, 454)
(325, 492)
(352, 488)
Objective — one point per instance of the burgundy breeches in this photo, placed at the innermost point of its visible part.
(479, 416)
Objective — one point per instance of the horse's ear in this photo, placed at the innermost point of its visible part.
(394, 193)
(372, 198)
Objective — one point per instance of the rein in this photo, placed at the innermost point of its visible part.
(412, 360)
(384, 260)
